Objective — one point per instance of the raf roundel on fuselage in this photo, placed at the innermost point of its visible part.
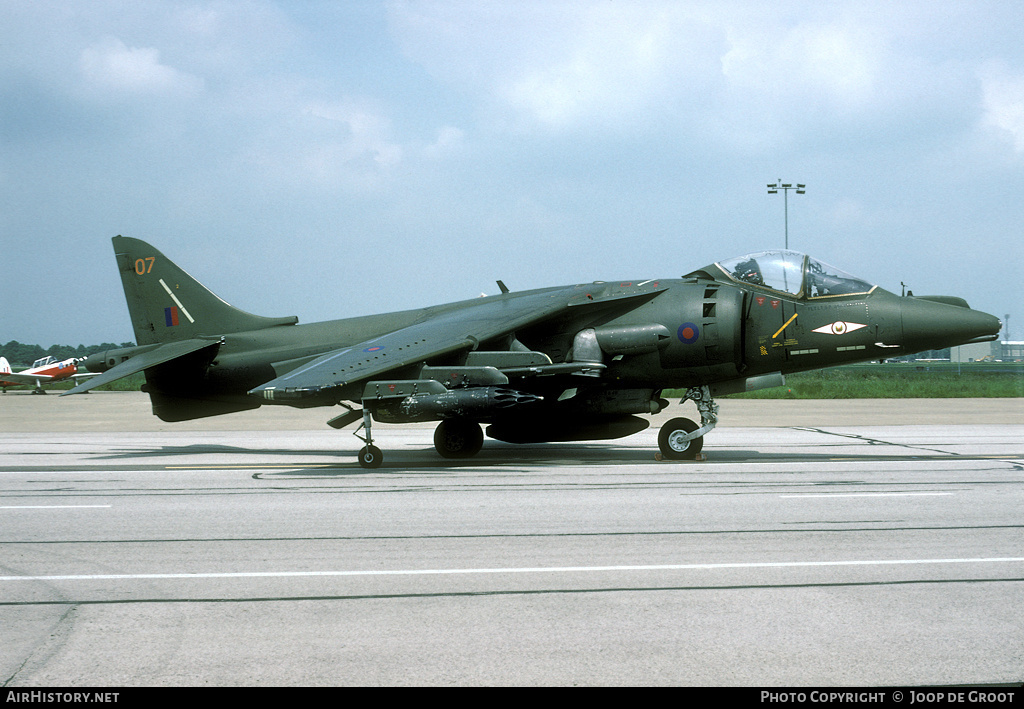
(792, 273)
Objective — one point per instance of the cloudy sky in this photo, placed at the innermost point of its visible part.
(327, 159)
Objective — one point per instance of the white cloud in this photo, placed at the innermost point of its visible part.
(1003, 104)
(599, 64)
(448, 140)
(838, 64)
(847, 212)
(612, 64)
(741, 76)
(562, 64)
(364, 133)
(112, 66)
(316, 147)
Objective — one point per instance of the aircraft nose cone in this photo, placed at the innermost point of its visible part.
(929, 325)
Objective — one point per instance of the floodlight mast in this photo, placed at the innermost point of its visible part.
(786, 187)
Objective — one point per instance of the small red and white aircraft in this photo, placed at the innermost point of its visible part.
(43, 371)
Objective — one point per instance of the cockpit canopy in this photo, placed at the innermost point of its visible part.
(790, 272)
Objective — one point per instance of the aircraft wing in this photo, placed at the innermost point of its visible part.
(159, 355)
(437, 334)
(19, 378)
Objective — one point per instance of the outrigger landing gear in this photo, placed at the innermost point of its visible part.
(370, 456)
(681, 438)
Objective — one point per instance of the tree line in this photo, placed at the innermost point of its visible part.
(22, 355)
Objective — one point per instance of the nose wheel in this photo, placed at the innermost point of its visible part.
(675, 443)
(681, 438)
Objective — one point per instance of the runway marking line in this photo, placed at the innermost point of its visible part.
(53, 507)
(521, 570)
(866, 494)
(268, 466)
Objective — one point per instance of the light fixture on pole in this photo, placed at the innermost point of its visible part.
(786, 187)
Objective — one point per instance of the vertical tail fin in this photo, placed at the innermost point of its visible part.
(166, 304)
(5, 366)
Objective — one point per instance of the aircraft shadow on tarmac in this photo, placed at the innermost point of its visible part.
(496, 456)
(404, 463)
(502, 455)
(207, 449)
(279, 463)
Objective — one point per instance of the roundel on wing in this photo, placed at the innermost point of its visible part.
(688, 333)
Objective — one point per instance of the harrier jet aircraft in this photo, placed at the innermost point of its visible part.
(568, 363)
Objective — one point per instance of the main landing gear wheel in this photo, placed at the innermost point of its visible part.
(370, 457)
(458, 439)
(671, 443)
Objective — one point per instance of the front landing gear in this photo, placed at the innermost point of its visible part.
(681, 438)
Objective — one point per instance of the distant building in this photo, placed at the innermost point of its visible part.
(1005, 351)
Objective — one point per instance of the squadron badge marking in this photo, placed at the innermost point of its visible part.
(839, 327)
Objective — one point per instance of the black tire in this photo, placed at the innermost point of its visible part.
(370, 457)
(455, 439)
(672, 448)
